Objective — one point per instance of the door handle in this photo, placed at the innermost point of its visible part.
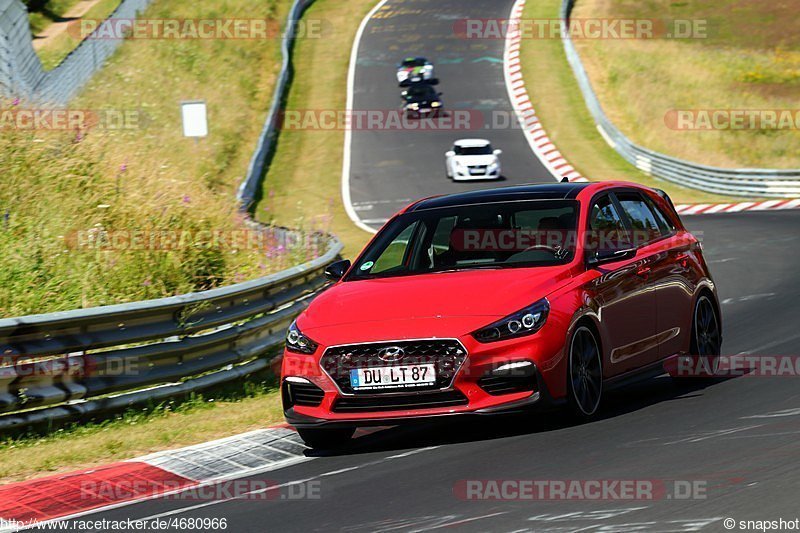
(643, 272)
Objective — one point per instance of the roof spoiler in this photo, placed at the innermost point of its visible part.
(666, 198)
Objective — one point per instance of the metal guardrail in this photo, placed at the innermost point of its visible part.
(75, 364)
(737, 182)
(148, 349)
(266, 143)
(21, 72)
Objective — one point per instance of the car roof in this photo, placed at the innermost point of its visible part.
(471, 143)
(550, 191)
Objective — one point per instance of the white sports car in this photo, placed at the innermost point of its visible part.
(414, 70)
(473, 159)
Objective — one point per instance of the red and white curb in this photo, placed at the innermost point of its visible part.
(152, 476)
(550, 156)
(535, 134)
(710, 209)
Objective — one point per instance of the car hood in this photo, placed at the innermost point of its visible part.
(471, 160)
(445, 304)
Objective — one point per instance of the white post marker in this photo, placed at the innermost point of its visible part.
(195, 119)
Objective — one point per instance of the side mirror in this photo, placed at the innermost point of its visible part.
(449, 153)
(337, 270)
(609, 256)
(438, 94)
(497, 152)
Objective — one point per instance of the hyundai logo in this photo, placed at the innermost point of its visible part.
(391, 353)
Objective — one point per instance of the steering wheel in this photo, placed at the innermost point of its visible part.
(546, 248)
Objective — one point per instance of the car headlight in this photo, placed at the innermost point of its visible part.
(298, 343)
(526, 321)
(413, 107)
(436, 104)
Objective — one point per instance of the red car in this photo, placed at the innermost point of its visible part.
(493, 301)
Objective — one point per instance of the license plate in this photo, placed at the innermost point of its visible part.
(477, 172)
(392, 377)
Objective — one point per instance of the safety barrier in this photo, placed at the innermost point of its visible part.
(738, 182)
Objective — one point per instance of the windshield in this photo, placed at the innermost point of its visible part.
(496, 235)
(420, 92)
(414, 62)
(473, 150)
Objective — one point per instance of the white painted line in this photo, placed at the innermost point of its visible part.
(348, 132)
(776, 414)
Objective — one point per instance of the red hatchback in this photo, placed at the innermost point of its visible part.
(493, 301)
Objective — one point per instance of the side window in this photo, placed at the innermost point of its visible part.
(643, 221)
(441, 235)
(394, 256)
(665, 224)
(606, 231)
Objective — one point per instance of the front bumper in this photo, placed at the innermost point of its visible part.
(305, 421)
(426, 112)
(478, 396)
(457, 176)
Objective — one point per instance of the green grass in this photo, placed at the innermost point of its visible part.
(561, 108)
(749, 60)
(61, 45)
(58, 184)
(42, 13)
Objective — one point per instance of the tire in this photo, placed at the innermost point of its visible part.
(706, 343)
(325, 438)
(584, 373)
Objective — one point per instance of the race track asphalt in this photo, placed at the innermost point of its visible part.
(390, 167)
(737, 438)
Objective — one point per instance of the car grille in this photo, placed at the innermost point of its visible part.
(399, 402)
(477, 169)
(446, 354)
(304, 394)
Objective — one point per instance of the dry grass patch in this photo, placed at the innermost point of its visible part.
(560, 106)
(145, 177)
(750, 60)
